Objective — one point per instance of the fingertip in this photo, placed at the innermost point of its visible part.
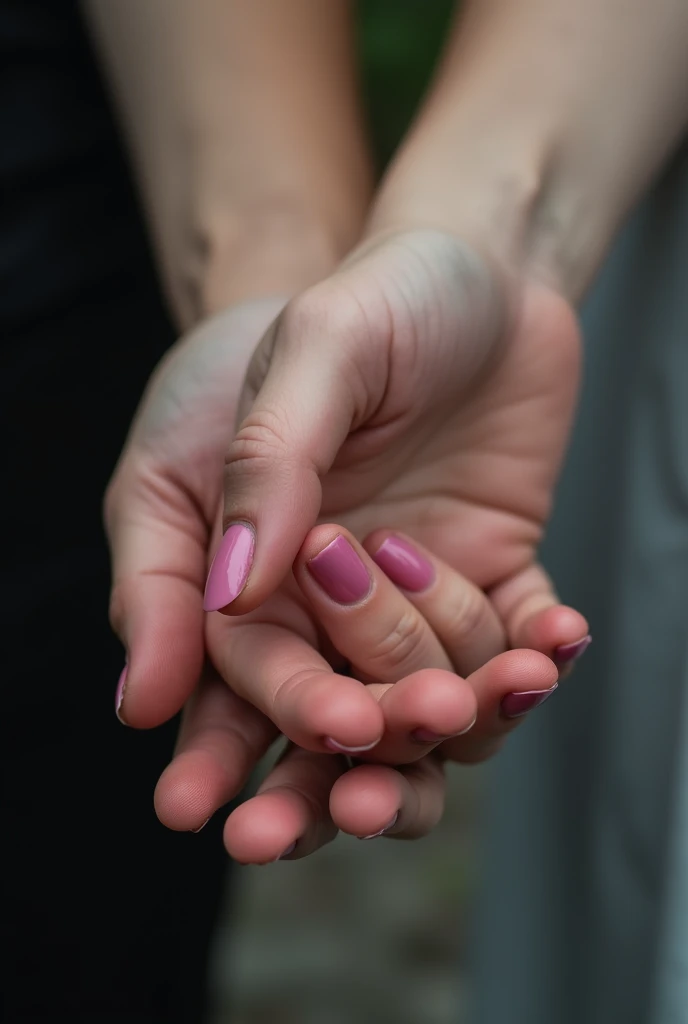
(519, 670)
(364, 800)
(189, 791)
(340, 714)
(263, 829)
(551, 628)
(433, 702)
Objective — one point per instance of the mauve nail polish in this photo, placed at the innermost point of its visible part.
(567, 653)
(516, 704)
(404, 565)
(230, 568)
(119, 692)
(340, 572)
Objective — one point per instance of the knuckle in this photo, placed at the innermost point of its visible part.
(327, 309)
(467, 617)
(261, 438)
(391, 655)
(288, 690)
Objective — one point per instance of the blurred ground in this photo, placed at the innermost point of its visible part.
(361, 933)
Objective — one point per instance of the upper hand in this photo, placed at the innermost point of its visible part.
(419, 388)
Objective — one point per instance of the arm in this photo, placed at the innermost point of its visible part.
(243, 123)
(546, 121)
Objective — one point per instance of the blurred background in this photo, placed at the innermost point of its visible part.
(371, 932)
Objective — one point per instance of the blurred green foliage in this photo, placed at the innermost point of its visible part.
(399, 41)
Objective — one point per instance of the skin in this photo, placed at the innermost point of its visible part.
(427, 385)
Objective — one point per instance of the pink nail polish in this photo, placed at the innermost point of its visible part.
(230, 568)
(339, 748)
(516, 704)
(567, 653)
(119, 693)
(404, 565)
(387, 827)
(340, 572)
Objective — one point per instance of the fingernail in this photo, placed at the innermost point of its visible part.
(339, 748)
(388, 826)
(516, 704)
(340, 572)
(200, 827)
(404, 565)
(426, 736)
(230, 568)
(119, 693)
(285, 853)
(567, 653)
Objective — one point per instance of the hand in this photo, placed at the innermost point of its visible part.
(162, 501)
(419, 388)
(308, 796)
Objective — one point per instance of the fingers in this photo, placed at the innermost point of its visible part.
(533, 617)
(281, 674)
(365, 616)
(460, 614)
(506, 688)
(307, 797)
(158, 560)
(221, 741)
(421, 711)
(401, 803)
(289, 816)
(311, 378)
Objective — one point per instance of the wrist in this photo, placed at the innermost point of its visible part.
(545, 124)
(278, 248)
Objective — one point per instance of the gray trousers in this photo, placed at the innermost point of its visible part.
(584, 911)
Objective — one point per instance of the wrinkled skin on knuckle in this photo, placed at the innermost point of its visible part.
(467, 618)
(391, 654)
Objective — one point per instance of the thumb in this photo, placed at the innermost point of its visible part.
(312, 377)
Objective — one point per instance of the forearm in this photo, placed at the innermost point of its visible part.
(243, 123)
(545, 123)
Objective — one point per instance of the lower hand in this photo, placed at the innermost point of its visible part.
(440, 621)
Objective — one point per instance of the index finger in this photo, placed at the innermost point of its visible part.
(280, 673)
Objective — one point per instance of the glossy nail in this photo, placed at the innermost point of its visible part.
(404, 565)
(567, 653)
(516, 704)
(119, 693)
(230, 568)
(339, 748)
(388, 826)
(340, 572)
(195, 831)
(285, 853)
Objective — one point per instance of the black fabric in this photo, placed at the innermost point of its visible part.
(107, 915)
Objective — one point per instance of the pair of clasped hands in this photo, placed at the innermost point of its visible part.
(358, 479)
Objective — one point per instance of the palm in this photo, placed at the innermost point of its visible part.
(464, 449)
